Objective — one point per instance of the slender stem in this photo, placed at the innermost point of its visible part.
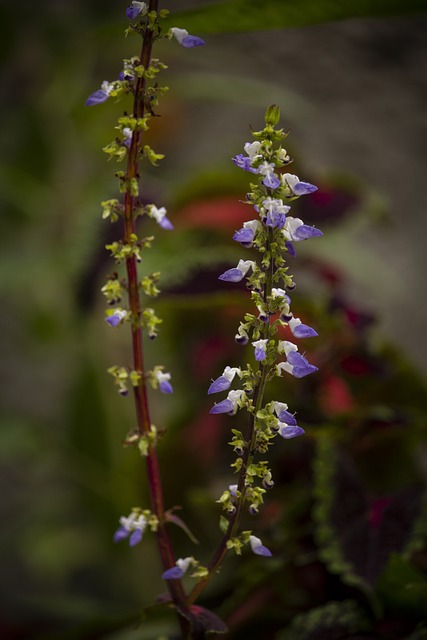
(140, 392)
(248, 455)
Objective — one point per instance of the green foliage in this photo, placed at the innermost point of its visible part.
(334, 621)
(251, 15)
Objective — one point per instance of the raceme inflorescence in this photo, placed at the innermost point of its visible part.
(272, 233)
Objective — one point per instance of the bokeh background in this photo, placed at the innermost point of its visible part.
(347, 518)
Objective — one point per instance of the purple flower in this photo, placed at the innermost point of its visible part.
(160, 217)
(135, 9)
(295, 230)
(260, 347)
(116, 317)
(245, 237)
(176, 572)
(127, 136)
(238, 273)
(291, 249)
(224, 381)
(185, 39)
(258, 548)
(300, 330)
(132, 527)
(246, 162)
(241, 336)
(276, 212)
(230, 404)
(101, 95)
(287, 417)
(270, 180)
(289, 431)
(297, 187)
(163, 381)
(295, 364)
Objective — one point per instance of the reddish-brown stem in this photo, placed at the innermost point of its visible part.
(140, 392)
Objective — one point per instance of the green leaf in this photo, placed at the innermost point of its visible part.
(403, 587)
(251, 15)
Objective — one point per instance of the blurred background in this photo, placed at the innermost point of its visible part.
(347, 519)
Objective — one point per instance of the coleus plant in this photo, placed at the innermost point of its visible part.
(273, 234)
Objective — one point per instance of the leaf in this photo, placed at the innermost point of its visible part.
(203, 621)
(334, 620)
(251, 15)
(170, 517)
(403, 588)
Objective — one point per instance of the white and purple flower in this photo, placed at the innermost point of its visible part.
(275, 212)
(224, 381)
(185, 39)
(178, 571)
(136, 9)
(296, 186)
(238, 273)
(260, 349)
(266, 169)
(295, 364)
(115, 317)
(230, 404)
(258, 548)
(163, 381)
(159, 215)
(101, 95)
(247, 233)
(300, 330)
(132, 527)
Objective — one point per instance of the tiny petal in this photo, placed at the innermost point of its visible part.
(258, 548)
(303, 188)
(271, 181)
(225, 406)
(300, 366)
(192, 41)
(287, 418)
(135, 537)
(97, 98)
(165, 386)
(220, 384)
(165, 223)
(290, 431)
(232, 275)
(305, 231)
(174, 573)
(290, 247)
(121, 534)
(244, 236)
(300, 330)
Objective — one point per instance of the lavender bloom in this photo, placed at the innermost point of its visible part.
(135, 9)
(296, 364)
(291, 249)
(224, 381)
(230, 404)
(116, 317)
(285, 310)
(185, 39)
(246, 162)
(127, 136)
(300, 330)
(238, 273)
(163, 380)
(258, 548)
(132, 527)
(176, 572)
(295, 230)
(289, 431)
(297, 187)
(160, 217)
(233, 490)
(271, 181)
(241, 336)
(260, 347)
(246, 235)
(276, 212)
(101, 95)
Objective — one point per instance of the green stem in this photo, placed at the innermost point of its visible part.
(175, 587)
(248, 455)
